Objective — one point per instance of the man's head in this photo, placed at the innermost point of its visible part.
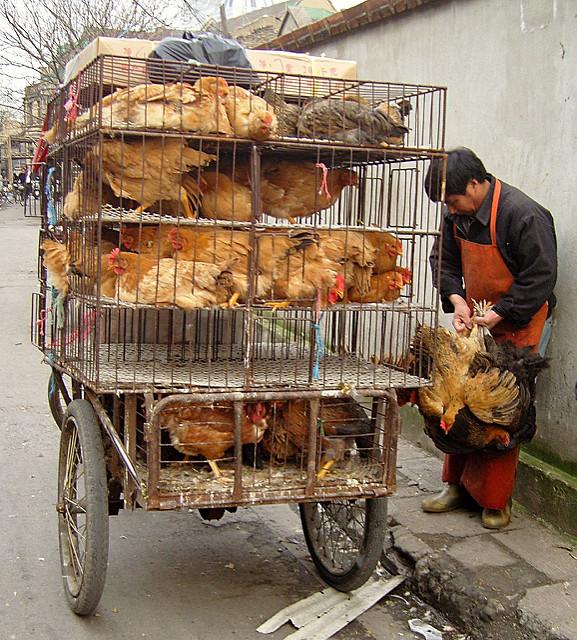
(466, 181)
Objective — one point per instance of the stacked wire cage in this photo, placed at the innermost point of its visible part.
(233, 267)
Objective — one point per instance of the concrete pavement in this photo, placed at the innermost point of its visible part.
(519, 583)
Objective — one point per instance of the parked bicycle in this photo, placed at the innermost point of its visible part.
(8, 194)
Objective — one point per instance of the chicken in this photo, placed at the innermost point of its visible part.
(74, 262)
(150, 169)
(384, 287)
(85, 198)
(151, 240)
(482, 394)
(291, 188)
(287, 114)
(165, 282)
(348, 120)
(353, 252)
(56, 259)
(223, 199)
(490, 420)
(396, 114)
(307, 275)
(343, 426)
(178, 107)
(388, 248)
(208, 430)
(249, 115)
(212, 245)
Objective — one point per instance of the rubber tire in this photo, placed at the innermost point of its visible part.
(369, 554)
(80, 421)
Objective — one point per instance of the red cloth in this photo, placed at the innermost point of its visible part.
(490, 480)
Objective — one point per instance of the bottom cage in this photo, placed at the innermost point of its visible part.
(333, 455)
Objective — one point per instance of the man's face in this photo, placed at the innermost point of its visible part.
(468, 202)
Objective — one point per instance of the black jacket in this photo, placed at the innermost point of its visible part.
(527, 242)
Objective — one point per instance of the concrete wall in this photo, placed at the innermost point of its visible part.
(511, 71)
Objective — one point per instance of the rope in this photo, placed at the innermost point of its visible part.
(50, 209)
(324, 188)
(71, 105)
(319, 342)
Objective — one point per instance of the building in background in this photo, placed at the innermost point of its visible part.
(267, 21)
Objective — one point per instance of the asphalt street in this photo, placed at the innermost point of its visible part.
(171, 575)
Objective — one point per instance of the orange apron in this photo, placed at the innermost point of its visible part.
(490, 480)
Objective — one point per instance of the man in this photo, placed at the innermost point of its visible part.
(500, 246)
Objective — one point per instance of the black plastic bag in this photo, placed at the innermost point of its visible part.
(202, 48)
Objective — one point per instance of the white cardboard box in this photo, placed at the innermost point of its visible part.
(119, 73)
(301, 64)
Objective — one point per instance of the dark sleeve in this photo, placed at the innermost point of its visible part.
(451, 277)
(532, 244)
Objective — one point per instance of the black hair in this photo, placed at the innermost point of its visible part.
(462, 165)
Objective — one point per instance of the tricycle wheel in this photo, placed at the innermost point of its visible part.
(56, 399)
(82, 508)
(345, 539)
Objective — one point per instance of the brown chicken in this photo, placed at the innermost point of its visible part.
(353, 252)
(214, 245)
(292, 189)
(208, 431)
(56, 259)
(165, 282)
(179, 107)
(223, 199)
(350, 120)
(75, 264)
(482, 395)
(151, 240)
(150, 169)
(384, 287)
(249, 115)
(305, 276)
(388, 248)
(85, 197)
(343, 424)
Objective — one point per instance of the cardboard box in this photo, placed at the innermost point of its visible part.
(120, 73)
(302, 64)
(116, 73)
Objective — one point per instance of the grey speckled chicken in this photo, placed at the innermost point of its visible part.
(351, 120)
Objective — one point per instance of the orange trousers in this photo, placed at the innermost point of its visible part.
(489, 480)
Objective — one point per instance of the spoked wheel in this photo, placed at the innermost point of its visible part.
(82, 508)
(345, 539)
(57, 399)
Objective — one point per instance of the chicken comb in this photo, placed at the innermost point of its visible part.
(114, 255)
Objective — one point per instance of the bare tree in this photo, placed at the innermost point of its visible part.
(40, 36)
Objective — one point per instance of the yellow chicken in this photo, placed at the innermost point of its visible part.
(178, 107)
(250, 116)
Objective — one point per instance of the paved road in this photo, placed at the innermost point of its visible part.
(171, 575)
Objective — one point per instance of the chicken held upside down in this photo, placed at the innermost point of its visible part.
(483, 393)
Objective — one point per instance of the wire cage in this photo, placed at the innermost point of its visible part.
(234, 264)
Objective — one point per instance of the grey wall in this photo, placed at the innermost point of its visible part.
(511, 71)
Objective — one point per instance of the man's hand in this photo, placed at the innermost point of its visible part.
(462, 318)
(489, 320)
